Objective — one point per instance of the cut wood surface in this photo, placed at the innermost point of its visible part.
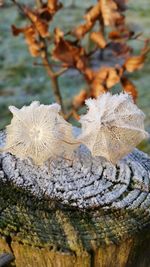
(5, 259)
(85, 212)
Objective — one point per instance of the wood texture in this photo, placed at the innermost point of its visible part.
(5, 259)
(76, 214)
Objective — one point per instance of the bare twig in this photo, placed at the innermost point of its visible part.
(72, 113)
(71, 53)
(52, 75)
(46, 63)
(18, 5)
(60, 72)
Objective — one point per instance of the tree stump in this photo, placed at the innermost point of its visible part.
(81, 213)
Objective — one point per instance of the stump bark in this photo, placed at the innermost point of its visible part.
(81, 213)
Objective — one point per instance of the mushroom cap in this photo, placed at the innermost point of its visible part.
(113, 126)
(39, 132)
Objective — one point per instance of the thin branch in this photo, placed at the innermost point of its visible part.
(18, 5)
(53, 64)
(92, 52)
(39, 64)
(60, 72)
(72, 113)
(46, 63)
(53, 77)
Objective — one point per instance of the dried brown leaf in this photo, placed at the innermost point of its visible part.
(120, 35)
(109, 11)
(114, 35)
(113, 77)
(89, 74)
(48, 10)
(129, 87)
(82, 29)
(54, 5)
(98, 85)
(79, 99)
(68, 52)
(16, 31)
(104, 80)
(135, 63)
(30, 35)
(58, 35)
(94, 13)
(97, 89)
(40, 24)
(98, 38)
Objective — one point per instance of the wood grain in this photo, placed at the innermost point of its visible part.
(82, 213)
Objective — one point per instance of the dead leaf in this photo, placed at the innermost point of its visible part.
(120, 36)
(114, 35)
(79, 99)
(82, 29)
(129, 87)
(16, 31)
(109, 11)
(134, 63)
(58, 35)
(93, 14)
(104, 80)
(68, 52)
(45, 14)
(48, 10)
(31, 38)
(54, 5)
(42, 28)
(89, 74)
(97, 89)
(40, 24)
(98, 85)
(98, 38)
(112, 78)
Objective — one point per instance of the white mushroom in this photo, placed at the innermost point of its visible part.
(39, 132)
(113, 126)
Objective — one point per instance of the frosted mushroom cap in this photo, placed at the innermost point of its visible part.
(39, 132)
(113, 126)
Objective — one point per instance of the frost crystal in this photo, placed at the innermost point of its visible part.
(113, 126)
(39, 132)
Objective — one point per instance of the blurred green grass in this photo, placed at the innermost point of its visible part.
(21, 82)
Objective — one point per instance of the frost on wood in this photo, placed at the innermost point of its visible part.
(113, 126)
(86, 182)
(39, 132)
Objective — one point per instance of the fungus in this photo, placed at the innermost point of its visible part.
(113, 126)
(39, 132)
